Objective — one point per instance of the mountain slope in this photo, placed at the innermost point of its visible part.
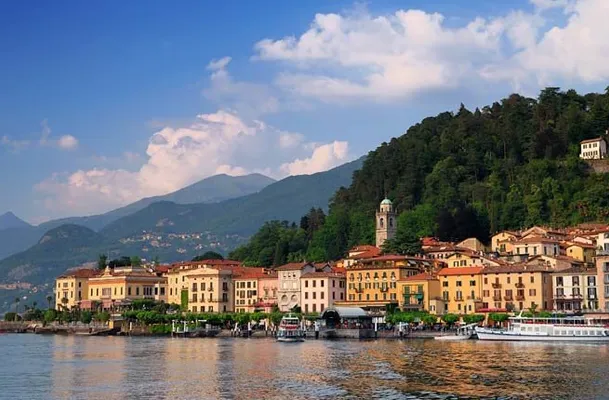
(287, 199)
(61, 246)
(9, 220)
(213, 189)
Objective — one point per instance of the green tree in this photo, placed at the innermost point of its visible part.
(49, 300)
(209, 255)
(450, 319)
(86, 317)
(17, 300)
(473, 318)
(136, 261)
(50, 315)
(429, 319)
(498, 318)
(102, 262)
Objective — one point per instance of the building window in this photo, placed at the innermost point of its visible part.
(341, 295)
(137, 290)
(321, 283)
(314, 307)
(321, 295)
(509, 280)
(458, 283)
(129, 291)
(162, 291)
(306, 295)
(225, 286)
(313, 282)
(532, 279)
(307, 282)
(314, 295)
(472, 283)
(445, 284)
(194, 308)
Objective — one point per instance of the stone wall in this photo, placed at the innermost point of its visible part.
(599, 166)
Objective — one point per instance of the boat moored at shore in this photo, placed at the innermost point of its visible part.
(290, 330)
(563, 329)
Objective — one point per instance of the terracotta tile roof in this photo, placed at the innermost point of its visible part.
(162, 268)
(582, 245)
(366, 254)
(394, 257)
(421, 277)
(515, 268)
(576, 270)
(318, 274)
(537, 239)
(81, 273)
(460, 271)
(293, 266)
(364, 247)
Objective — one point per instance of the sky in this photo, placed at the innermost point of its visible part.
(105, 102)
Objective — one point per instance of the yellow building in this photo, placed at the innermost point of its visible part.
(210, 290)
(119, 286)
(461, 290)
(255, 290)
(373, 283)
(177, 277)
(420, 292)
(582, 252)
(517, 287)
(503, 242)
(72, 288)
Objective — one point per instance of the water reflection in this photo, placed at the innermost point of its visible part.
(117, 368)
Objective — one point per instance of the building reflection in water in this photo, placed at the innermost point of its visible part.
(87, 367)
(161, 368)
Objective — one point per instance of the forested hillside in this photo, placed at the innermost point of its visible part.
(506, 166)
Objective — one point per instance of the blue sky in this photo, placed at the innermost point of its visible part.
(102, 103)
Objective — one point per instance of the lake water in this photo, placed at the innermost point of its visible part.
(62, 367)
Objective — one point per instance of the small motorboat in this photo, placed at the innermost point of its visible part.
(463, 333)
(290, 330)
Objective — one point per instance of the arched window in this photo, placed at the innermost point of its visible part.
(384, 275)
(367, 275)
(391, 222)
(381, 222)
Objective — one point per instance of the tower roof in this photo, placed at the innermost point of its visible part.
(386, 202)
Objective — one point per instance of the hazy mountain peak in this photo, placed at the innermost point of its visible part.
(10, 220)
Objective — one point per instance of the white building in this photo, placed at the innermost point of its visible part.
(593, 149)
(288, 294)
(575, 289)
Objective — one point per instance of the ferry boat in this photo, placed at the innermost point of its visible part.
(559, 329)
(290, 330)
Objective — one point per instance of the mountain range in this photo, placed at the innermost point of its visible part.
(169, 230)
(17, 235)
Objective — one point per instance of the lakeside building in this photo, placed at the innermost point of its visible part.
(255, 290)
(320, 290)
(602, 280)
(421, 292)
(575, 289)
(118, 287)
(289, 282)
(461, 290)
(72, 288)
(517, 287)
(372, 283)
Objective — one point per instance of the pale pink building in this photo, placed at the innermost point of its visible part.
(319, 290)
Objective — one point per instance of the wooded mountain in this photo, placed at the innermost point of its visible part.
(509, 165)
(210, 190)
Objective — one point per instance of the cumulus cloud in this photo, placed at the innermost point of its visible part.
(178, 156)
(359, 56)
(67, 142)
(323, 158)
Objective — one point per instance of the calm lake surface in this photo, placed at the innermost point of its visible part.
(69, 367)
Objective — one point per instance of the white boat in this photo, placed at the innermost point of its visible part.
(290, 330)
(553, 329)
(463, 333)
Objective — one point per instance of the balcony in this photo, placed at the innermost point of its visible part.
(496, 285)
(560, 295)
(359, 289)
(474, 298)
(519, 297)
(496, 298)
(508, 298)
(577, 296)
(520, 285)
(458, 298)
(384, 288)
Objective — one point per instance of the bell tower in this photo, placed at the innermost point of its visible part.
(386, 223)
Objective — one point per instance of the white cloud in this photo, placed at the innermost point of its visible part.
(323, 158)
(359, 56)
(383, 57)
(251, 99)
(217, 143)
(13, 144)
(67, 142)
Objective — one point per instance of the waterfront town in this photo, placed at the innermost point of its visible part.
(540, 268)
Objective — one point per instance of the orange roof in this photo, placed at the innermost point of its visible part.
(366, 254)
(162, 268)
(82, 273)
(364, 247)
(582, 245)
(293, 266)
(319, 274)
(536, 239)
(421, 277)
(460, 271)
